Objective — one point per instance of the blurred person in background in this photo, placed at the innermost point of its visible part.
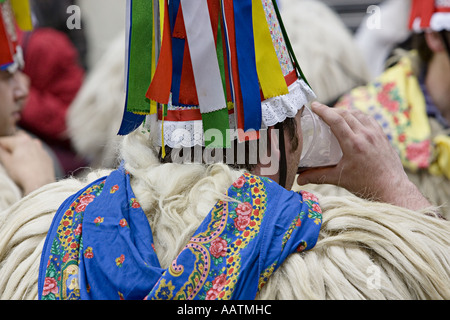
(334, 62)
(53, 65)
(382, 30)
(411, 101)
(25, 164)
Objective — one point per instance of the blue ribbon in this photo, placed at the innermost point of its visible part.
(248, 76)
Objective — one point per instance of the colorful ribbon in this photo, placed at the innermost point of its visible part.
(215, 55)
(270, 74)
(22, 12)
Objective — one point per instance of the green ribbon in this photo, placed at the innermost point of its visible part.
(140, 59)
(288, 44)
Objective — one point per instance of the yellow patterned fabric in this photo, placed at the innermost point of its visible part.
(396, 101)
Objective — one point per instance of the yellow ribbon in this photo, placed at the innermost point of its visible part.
(22, 13)
(268, 67)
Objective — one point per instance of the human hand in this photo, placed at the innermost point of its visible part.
(26, 161)
(370, 167)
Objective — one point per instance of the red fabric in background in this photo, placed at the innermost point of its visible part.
(52, 63)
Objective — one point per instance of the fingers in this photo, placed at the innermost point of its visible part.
(337, 123)
(346, 124)
(10, 143)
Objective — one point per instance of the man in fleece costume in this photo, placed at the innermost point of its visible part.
(168, 224)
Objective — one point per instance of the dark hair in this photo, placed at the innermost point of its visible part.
(289, 125)
(419, 43)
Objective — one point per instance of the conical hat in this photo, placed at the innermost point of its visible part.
(12, 13)
(430, 15)
(202, 66)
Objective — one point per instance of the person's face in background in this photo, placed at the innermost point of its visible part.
(14, 88)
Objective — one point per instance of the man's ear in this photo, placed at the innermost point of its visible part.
(434, 42)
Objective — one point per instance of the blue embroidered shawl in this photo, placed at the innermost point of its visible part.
(100, 244)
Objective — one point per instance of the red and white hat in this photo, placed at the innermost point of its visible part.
(431, 15)
(14, 14)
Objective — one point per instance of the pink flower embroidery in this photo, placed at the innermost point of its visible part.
(219, 282)
(114, 188)
(50, 286)
(244, 209)
(98, 221)
(384, 97)
(419, 153)
(78, 230)
(88, 254)
(212, 294)
(241, 222)
(309, 196)
(316, 208)
(239, 183)
(218, 247)
(84, 201)
(134, 203)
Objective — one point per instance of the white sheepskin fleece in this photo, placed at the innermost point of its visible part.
(366, 250)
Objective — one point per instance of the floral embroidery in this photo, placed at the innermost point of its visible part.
(77, 231)
(216, 287)
(123, 223)
(50, 287)
(165, 291)
(120, 260)
(210, 265)
(239, 183)
(244, 209)
(98, 221)
(302, 246)
(114, 189)
(389, 97)
(241, 222)
(308, 196)
(218, 248)
(88, 254)
(419, 153)
(134, 203)
(84, 201)
(61, 265)
(277, 37)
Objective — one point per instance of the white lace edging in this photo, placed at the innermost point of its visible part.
(274, 110)
(277, 109)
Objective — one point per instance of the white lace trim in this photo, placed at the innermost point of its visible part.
(277, 109)
(274, 110)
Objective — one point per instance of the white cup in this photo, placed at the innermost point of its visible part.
(320, 146)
